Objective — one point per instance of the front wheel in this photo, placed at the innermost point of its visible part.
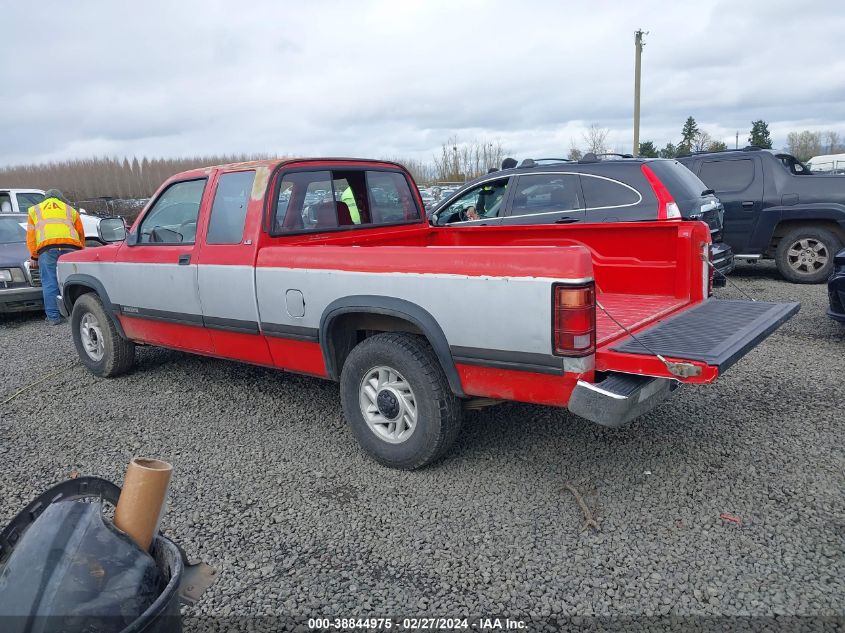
(805, 255)
(397, 401)
(99, 345)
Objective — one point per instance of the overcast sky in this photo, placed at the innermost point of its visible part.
(396, 78)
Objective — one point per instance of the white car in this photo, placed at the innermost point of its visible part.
(19, 200)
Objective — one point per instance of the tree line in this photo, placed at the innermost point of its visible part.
(128, 178)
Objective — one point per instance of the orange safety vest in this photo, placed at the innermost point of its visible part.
(53, 223)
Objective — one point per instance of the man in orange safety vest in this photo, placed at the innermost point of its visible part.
(53, 229)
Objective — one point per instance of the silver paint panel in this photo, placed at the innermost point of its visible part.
(168, 287)
(507, 313)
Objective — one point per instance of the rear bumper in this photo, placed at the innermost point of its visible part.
(619, 398)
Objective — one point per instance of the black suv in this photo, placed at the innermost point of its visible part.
(604, 188)
(777, 208)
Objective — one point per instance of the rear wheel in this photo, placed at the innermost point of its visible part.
(397, 401)
(98, 343)
(805, 255)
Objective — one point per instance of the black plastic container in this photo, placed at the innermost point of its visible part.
(73, 555)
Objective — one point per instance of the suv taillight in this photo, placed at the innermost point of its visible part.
(667, 208)
(574, 320)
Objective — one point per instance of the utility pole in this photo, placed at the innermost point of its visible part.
(736, 143)
(638, 45)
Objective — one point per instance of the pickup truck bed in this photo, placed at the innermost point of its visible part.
(410, 318)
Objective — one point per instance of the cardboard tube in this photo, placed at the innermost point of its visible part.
(141, 502)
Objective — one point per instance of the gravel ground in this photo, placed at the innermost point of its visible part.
(271, 489)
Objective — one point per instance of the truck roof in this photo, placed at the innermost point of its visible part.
(272, 163)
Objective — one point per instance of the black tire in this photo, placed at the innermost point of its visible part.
(787, 261)
(438, 410)
(118, 354)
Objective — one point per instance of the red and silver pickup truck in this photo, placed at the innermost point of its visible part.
(328, 267)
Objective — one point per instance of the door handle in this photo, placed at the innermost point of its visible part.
(747, 205)
(184, 260)
(565, 220)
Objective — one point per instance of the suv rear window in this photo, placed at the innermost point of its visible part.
(727, 175)
(680, 181)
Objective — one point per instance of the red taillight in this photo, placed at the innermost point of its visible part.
(667, 208)
(574, 315)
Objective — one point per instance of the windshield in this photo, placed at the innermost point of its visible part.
(28, 199)
(12, 230)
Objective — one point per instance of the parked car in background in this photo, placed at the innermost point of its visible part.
(827, 164)
(593, 189)
(776, 208)
(20, 285)
(19, 201)
(428, 199)
(836, 288)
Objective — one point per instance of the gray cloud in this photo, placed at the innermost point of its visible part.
(382, 78)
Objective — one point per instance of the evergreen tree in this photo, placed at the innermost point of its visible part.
(689, 134)
(760, 135)
(670, 151)
(647, 150)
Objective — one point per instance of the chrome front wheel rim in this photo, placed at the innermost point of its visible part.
(807, 256)
(388, 404)
(92, 337)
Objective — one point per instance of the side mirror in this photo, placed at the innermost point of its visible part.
(112, 230)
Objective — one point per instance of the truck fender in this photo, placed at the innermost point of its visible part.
(87, 281)
(771, 217)
(389, 306)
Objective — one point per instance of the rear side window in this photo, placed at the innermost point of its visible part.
(228, 213)
(600, 193)
(727, 175)
(546, 193)
(325, 200)
(173, 216)
(390, 198)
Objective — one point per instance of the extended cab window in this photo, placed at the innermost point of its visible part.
(390, 198)
(727, 175)
(546, 193)
(601, 193)
(324, 200)
(173, 217)
(479, 203)
(228, 213)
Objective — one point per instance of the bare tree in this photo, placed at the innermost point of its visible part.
(831, 138)
(804, 145)
(702, 141)
(595, 139)
(459, 161)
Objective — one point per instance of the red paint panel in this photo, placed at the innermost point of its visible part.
(299, 356)
(189, 338)
(607, 360)
(523, 386)
(555, 262)
(250, 348)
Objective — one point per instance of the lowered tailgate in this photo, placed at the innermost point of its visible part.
(711, 336)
